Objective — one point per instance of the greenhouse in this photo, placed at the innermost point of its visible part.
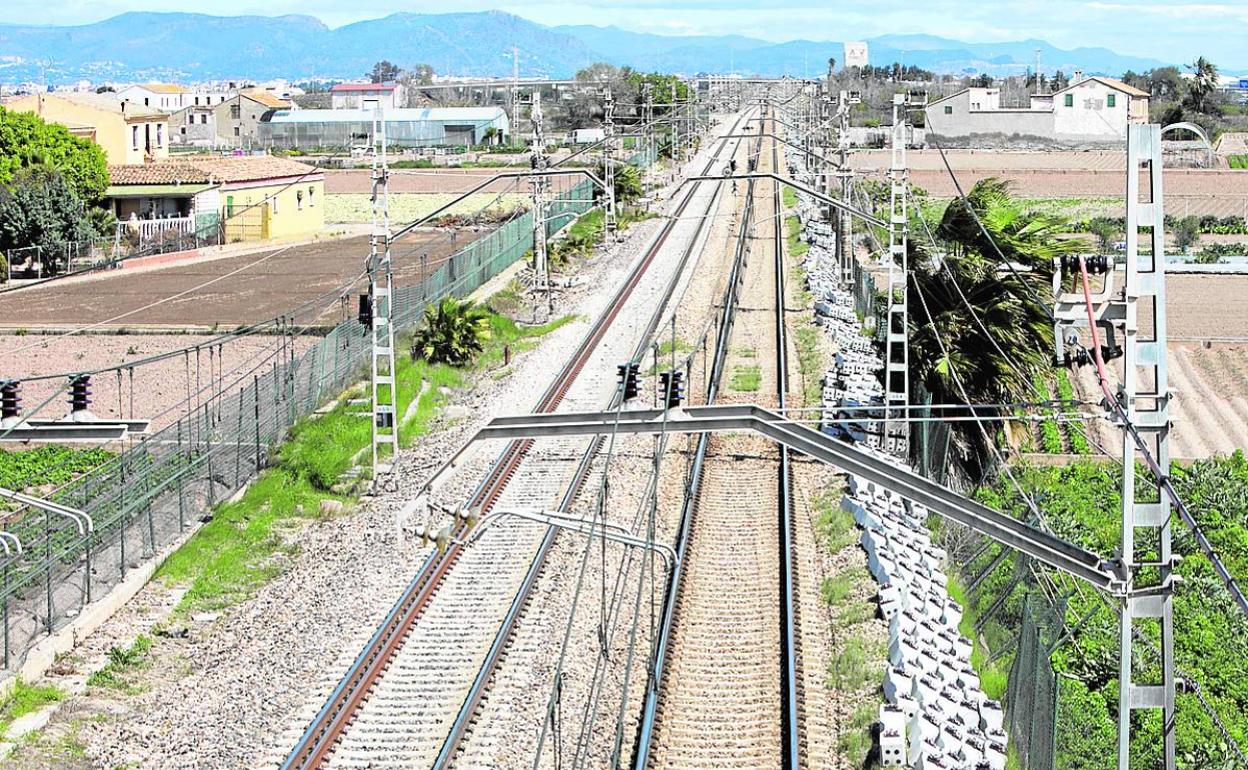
(417, 127)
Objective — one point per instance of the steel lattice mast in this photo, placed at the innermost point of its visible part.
(896, 349)
(380, 290)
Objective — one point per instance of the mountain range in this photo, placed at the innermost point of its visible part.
(190, 47)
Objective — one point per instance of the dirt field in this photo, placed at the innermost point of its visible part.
(156, 387)
(246, 289)
(1220, 192)
(1210, 409)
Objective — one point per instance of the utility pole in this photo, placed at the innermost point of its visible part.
(608, 156)
(844, 232)
(647, 119)
(1145, 397)
(897, 352)
(537, 183)
(515, 87)
(380, 286)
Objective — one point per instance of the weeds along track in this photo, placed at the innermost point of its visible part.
(407, 698)
(730, 695)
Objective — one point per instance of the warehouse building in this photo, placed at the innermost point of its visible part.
(338, 129)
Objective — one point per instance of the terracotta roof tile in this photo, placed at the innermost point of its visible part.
(264, 97)
(210, 168)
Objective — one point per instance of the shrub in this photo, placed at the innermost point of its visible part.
(454, 332)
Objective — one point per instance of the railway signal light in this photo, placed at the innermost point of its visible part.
(673, 385)
(366, 311)
(628, 374)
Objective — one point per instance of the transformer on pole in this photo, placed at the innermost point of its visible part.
(896, 349)
(380, 288)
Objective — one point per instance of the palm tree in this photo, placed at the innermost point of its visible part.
(1204, 83)
(454, 332)
(978, 308)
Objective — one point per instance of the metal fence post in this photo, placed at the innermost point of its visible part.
(255, 382)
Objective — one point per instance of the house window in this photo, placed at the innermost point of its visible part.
(160, 134)
(311, 192)
(203, 119)
(182, 130)
(147, 102)
(236, 111)
(134, 137)
(1111, 101)
(273, 203)
(1070, 100)
(237, 131)
(948, 110)
(298, 200)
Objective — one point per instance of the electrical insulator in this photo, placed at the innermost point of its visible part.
(385, 420)
(673, 386)
(628, 374)
(80, 393)
(10, 400)
(1078, 358)
(1111, 352)
(366, 311)
(1096, 264)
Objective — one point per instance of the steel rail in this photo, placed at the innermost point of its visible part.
(790, 717)
(463, 719)
(649, 714)
(319, 739)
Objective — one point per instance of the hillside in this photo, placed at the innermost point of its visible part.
(188, 46)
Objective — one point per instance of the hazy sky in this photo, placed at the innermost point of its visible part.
(1172, 30)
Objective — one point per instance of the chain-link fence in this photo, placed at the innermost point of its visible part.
(1031, 696)
(142, 499)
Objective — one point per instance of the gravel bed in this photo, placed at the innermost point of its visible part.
(254, 674)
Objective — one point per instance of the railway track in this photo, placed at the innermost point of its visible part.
(415, 675)
(723, 701)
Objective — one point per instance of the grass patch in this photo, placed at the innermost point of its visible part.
(122, 661)
(788, 196)
(833, 524)
(857, 664)
(810, 363)
(746, 377)
(796, 247)
(1238, 161)
(855, 743)
(994, 676)
(24, 699)
(747, 352)
(244, 545)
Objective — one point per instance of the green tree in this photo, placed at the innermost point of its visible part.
(39, 208)
(994, 352)
(383, 71)
(1186, 233)
(627, 181)
(1204, 82)
(454, 332)
(27, 140)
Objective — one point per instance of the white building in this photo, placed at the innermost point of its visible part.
(166, 97)
(856, 54)
(365, 96)
(1089, 110)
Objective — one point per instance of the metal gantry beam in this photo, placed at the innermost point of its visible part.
(1049, 549)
